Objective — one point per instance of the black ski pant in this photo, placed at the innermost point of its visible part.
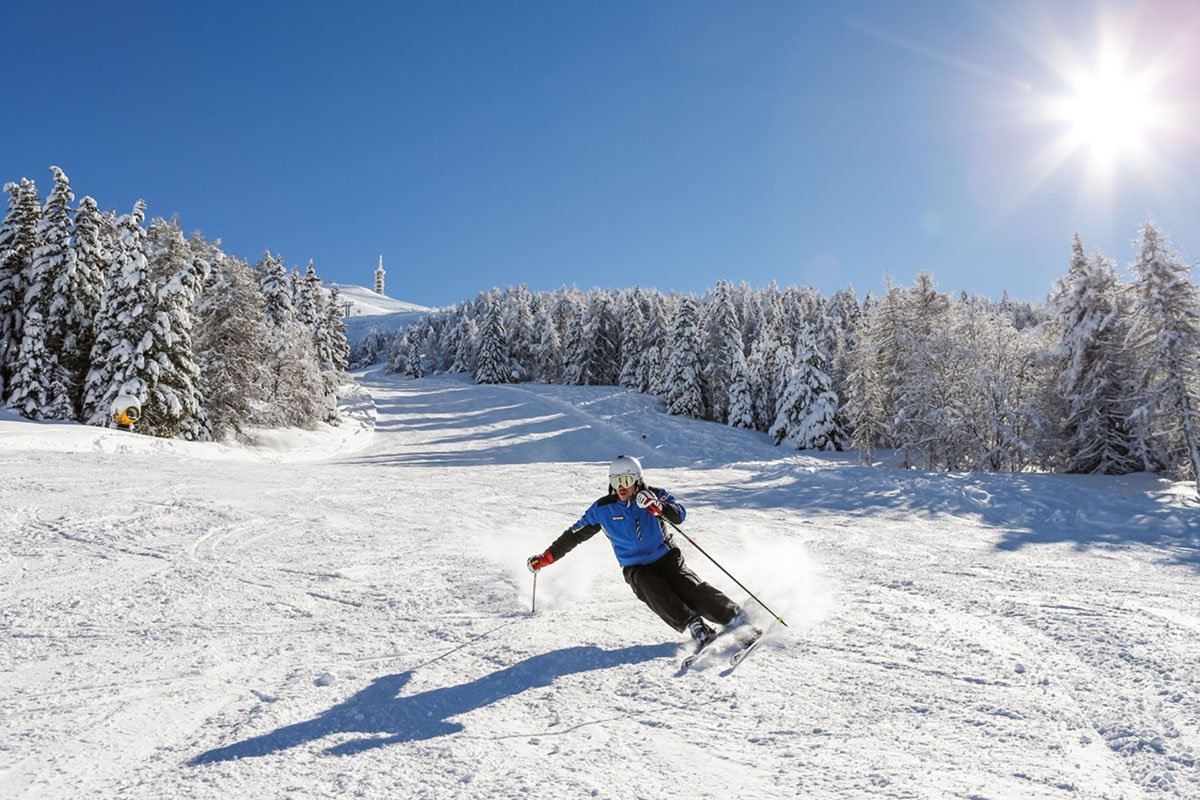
(676, 593)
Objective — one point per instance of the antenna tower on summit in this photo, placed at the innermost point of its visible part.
(379, 273)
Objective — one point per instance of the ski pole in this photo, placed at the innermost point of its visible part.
(778, 618)
(534, 609)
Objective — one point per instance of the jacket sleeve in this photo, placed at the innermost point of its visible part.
(672, 508)
(578, 533)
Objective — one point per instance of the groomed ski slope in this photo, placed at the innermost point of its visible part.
(347, 614)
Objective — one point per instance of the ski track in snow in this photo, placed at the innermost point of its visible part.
(353, 618)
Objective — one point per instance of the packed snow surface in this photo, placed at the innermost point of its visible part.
(346, 613)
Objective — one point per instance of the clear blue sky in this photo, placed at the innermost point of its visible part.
(614, 143)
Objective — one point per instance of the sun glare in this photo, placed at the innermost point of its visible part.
(1114, 115)
(1109, 115)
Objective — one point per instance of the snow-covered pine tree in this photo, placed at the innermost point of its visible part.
(926, 411)
(308, 298)
(62, 307)
(370, 349)
(93, 237)
(657, 337)
(466, 338)
(331, 347)
(864, 406)
(1094, 377)
(523, 339)
(412, 358)
(172, 404)
(41, 387)
(295, 391)
(600, 336)
(493, 364)
(18, 239)
(117, 361)
(807, 418)
(576, 348)
(998, 381)
(843, 311)
(397, 359)
(685, 382)
(722, 339)
(1166, 339)
(633, 333)
(741, 401)
(548, 353)
(750, 313)
(231, 344)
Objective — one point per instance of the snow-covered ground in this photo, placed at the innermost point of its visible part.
(368, 310)
(346, 613)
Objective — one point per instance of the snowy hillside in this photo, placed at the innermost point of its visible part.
(353, 619)
(367, 310)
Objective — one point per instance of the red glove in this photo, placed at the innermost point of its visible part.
(537, 562)
(649, 500)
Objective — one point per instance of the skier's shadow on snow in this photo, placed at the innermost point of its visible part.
(388, 719)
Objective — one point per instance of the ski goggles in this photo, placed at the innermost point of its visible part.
(622, 481)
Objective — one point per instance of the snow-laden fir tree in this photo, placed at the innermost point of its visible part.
(633, 332)
(308, 297)
(591, 350)
(18, 239)
(412, 360)
(118, 364)
(1094, 377)
(466, 338)
(684, 379)
(371, 348)
(436, 356)
(93, 237)
(399, 350)
(397, 358)
(770, 365)
(1001, 375)
(172, 405)
(548, 353)
(295, 390)
(523, 339)
(69, 302)
(1165, 336)
(576, 349)
(844, 312)
(231, 344)
(39, 387)
(741, 400)
(865, 388)
(652, 376)
(330, 346)
(807, 418)
(493, 364)
(926, 412)
(722, 345)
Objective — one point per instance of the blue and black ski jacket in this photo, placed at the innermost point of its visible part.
(637, 536)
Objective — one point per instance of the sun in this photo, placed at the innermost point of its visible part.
(1110, 118)
(1110, 114)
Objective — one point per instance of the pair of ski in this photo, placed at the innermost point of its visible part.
(746, 638)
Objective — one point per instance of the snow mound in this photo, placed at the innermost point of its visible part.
(19, 435)
(364, 302)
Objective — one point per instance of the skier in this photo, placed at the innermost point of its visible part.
(653, 566)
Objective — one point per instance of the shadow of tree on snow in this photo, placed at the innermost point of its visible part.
(386, 718)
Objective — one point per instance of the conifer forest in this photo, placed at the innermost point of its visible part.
(1101, 377)
(96, 305)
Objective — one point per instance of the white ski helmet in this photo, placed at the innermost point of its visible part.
(622, 469)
